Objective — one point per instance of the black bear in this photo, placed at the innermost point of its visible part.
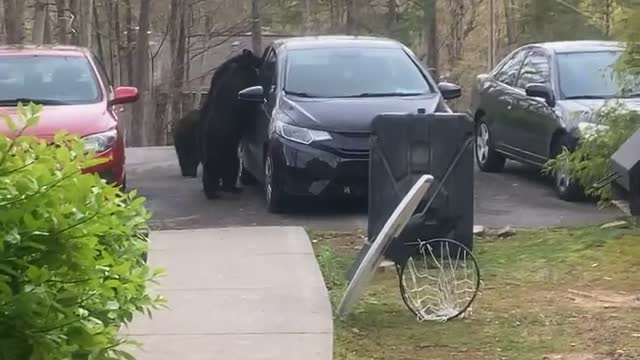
(186, 139)
(223, 118)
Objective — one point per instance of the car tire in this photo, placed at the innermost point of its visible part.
(274, 195)
(565, 188)
(487, 158)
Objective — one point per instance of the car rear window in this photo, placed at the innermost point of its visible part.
(57, 79)
(348, 72)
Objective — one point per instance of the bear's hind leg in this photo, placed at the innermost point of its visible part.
(231, 170)
(210, 179)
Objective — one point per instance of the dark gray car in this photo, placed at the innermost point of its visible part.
(541, 98)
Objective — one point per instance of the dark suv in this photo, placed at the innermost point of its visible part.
(543, 97)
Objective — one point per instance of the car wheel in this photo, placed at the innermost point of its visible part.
(245, 176)
(488, 159)
(565, 187)
(275, 197)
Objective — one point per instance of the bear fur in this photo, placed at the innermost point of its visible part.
(224, 119)
(186, 140)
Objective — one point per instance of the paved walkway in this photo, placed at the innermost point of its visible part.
(237, 293)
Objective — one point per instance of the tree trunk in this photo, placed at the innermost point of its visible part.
(431, 35)
(177, 40)
(48, 33)
(141, 77)
(116, 44)
(86, 21)
(39, 19)
(130, 45)
(14, 20)
(350, 23)
(308, 22)
(76, 27)
(97, 30)
(392, 16)
(61, 23)
(509, 20)
(256, 26)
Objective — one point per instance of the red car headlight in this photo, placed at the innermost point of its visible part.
(100, 142)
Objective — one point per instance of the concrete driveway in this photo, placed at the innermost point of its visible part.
(517, 197)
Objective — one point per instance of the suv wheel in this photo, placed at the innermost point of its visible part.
(488, 159)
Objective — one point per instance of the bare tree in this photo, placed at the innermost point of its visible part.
(39, 21)
(86, 22)
(431, 34)
(14, 20)
(61, 23)
(307, 21)
(256, 26)
(350, 24)
(141, 77)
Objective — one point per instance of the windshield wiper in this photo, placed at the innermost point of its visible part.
(586, 97)
(299, 94)
(632, 95)
(386, 94)
(29, 100)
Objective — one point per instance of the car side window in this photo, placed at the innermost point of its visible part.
(268, 71)
(535, 70)
(508, 74)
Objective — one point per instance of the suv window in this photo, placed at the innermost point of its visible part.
(535, 70)
(509, 71)
(268, 71)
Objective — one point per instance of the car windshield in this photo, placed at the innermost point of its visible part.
(353, 72)
(49, 80)
(593, 75)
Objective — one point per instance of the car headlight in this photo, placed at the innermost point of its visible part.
(300, 134)
(100, 142)
(590, 129)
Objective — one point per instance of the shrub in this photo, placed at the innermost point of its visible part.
(71, 251)
(589, 163)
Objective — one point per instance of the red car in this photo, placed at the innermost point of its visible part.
(77, 96)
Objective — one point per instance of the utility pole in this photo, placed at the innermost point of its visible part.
(492, 32)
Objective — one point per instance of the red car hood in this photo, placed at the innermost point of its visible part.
(79, 120)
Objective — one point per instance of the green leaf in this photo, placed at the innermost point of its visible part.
(11, 125)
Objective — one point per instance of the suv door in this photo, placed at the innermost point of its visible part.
(499, 109)
(258, 134)
(535, 120)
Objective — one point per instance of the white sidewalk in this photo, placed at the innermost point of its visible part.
(238, 294)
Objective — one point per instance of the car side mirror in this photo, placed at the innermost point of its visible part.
(254, 94)
(541, 91)
(124, 95)
(449, 91)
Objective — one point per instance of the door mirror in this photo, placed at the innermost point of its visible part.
(541, 91)
(449, 91)
(124, 95)
(254, 94)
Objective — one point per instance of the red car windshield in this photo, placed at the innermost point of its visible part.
(46, 79)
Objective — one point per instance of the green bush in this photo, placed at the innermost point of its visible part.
(589, 162)
(72, 249)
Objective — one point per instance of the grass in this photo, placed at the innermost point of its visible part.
(557, 293)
